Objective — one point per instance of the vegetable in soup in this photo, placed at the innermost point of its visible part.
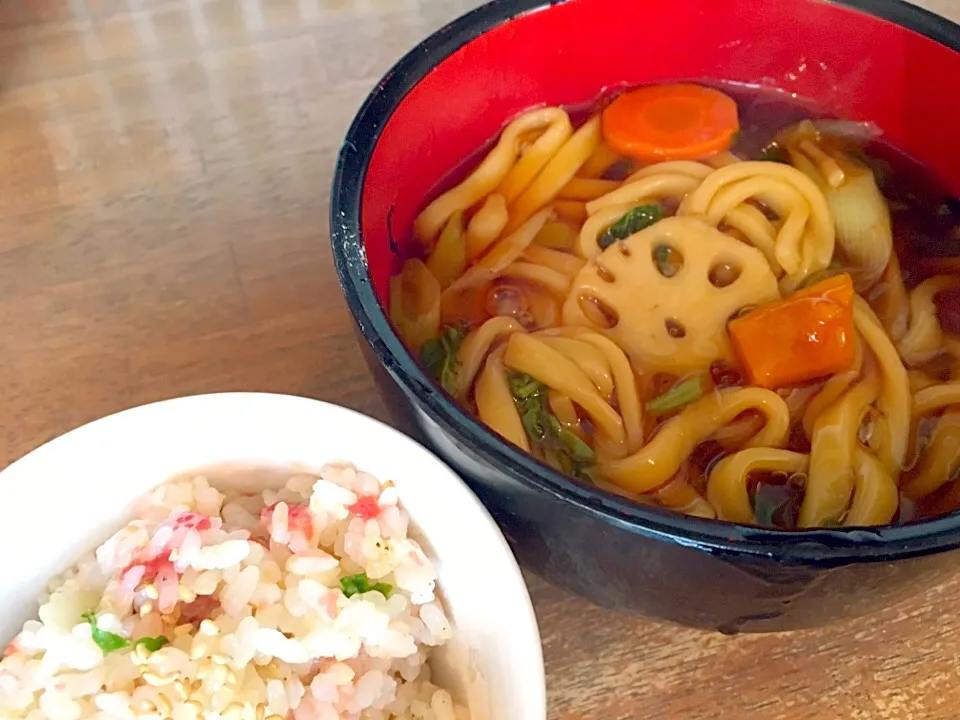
(707, 299)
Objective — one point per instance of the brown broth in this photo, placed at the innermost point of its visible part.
(926, 230)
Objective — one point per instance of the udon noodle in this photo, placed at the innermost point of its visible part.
(726, 334)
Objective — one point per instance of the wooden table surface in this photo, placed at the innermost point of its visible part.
(163, 231)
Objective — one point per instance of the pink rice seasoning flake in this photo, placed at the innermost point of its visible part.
(306, 603)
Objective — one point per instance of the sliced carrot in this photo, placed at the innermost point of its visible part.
(805, 336)
(670, 122)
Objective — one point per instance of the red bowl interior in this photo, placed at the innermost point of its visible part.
(854, 65)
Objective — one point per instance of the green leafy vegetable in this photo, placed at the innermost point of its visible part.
(152, 643)
(774, 153)
(359, 584)
(439, 356)
(632, 222)
(681, 394)
(110, 642)
(559, 443)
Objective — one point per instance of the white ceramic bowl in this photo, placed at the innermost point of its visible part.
(71, 494)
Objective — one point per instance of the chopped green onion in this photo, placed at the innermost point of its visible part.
(439, 356)
(632, 222)
(560, 443)
(152, 644)
(360, 583)
(576, 448)
(682, 394)
(522, 386)
(110, 642)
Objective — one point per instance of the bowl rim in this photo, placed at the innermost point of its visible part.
(832, 547)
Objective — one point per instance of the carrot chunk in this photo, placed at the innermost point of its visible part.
(805, 336)
(670, 122)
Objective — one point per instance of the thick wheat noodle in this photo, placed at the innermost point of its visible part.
(587, 358)
(825, 166)
(875, 495)
(727, 483)
(735, 435)
(564, 410)
(557, 260)
(679, 495)
(890, 300)
(782, 199)
(833, 388)
(722, 159)
(820, 234)
(584, 189)
(831, 479)
(601, 160)
(661, 458)
(501, 255)
(419, 320)
(557, 173)
(556, 282)
(574, 211)
(529, 355)
(940, 459)
(495, 405)
(758, 231)
(893, 427)
(645, 190)
(690, 168)
(486, 225)
(799, 399)
(488, 175)
(475, 347)
(920, 380)
(923, 339)
(935, 398)
(606, 450)
(534, 157)
(587, 243)
(836, 386)
(625, 381)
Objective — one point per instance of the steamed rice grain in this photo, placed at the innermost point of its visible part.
(306, 603)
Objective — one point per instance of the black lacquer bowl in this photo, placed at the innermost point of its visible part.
(880, 60)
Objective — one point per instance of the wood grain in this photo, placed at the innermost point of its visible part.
(163, 205)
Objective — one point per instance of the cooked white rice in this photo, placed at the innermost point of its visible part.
(262, 605)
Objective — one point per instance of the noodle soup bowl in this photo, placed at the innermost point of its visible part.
(877, 60)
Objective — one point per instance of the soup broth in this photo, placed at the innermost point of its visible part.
(709, 298)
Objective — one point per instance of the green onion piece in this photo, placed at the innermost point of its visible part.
(107, 641)
(383, 588)
(561, 445)
(439, 356)
(682, 394)
(360, 583)
(632, 222)
(522, 386)
(573, 446)
(355, 584)
(110, 642)
(152, 644)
